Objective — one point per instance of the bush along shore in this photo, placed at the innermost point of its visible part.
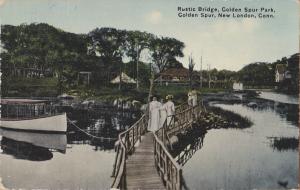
(212, 118)
(284, 143)
(216, 118)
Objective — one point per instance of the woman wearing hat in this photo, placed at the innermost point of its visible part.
(170, 108)
(162, 113)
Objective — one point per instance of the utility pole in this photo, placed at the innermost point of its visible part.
(208, 70)
(201, 73)
(191, 68)
(137, 66)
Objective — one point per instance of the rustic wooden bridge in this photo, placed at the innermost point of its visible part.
(143, 160)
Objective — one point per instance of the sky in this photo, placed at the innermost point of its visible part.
(222, 43)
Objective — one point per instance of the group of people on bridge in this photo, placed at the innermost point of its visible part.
(160, 111)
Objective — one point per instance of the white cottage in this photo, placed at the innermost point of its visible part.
(280, 72)
(237, 86)
(124, 78)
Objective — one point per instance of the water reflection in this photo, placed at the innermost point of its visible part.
(106, 124)
(101, 144)
(88, 160)
(32, 146)
(26, 151)
(187, 153)
(286, 111)
(243, 159)
(188, 144)
(278, 97)
(109, 123)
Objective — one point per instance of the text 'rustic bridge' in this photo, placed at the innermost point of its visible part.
(143, 160)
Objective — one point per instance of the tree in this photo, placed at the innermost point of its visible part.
(164, 51)
(110, 44)
(191, 69)
(136, 42)
(259, 73)
(41, 47)
(144, 72)
(174, 63)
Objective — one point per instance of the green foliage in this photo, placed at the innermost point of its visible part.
(164, 51)
(42, 47)
(180, 92)
(27, 87)
(144, 72)
(46, 49)
(257, 74)
(136, 43)
(290, 85)
(107, 42)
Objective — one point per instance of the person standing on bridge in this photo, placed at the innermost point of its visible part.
(192, 97)
(170, 108)
(162, 113)
(154, 107)
(195, 97)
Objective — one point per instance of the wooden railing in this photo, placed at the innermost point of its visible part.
(168, 169)
(126, 143)
(189, 150)
(182, 120)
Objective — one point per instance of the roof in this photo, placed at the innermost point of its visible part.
(125, 79)
(22, 101)
(66, 96)
(181, 72)
(281, 68)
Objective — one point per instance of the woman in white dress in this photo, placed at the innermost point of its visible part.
(194, 94)
(192, 98)
(163, 114)
(154, 107)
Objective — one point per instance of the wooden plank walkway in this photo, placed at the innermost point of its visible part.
(140, 169)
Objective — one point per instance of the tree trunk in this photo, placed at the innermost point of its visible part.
(150, 92)
(120, 83)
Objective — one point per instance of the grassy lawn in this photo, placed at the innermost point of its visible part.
(29, 87)
(180, 92)
(110, 93)
(47, 87)
(130, 93)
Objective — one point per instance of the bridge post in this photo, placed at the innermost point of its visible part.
(140, 131)
(163, 136)
(133, 133)
(115, 162)
(179, 182)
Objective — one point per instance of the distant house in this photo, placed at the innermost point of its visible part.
(237, 86)
(280, 71)
(124, 78)
(287, 75)
(30, 72)
(176, 75)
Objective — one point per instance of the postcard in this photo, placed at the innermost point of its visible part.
(136, 94)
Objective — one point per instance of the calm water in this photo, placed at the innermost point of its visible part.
(279, 97)
(72, 161)
(230, 159)
(247, 159)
